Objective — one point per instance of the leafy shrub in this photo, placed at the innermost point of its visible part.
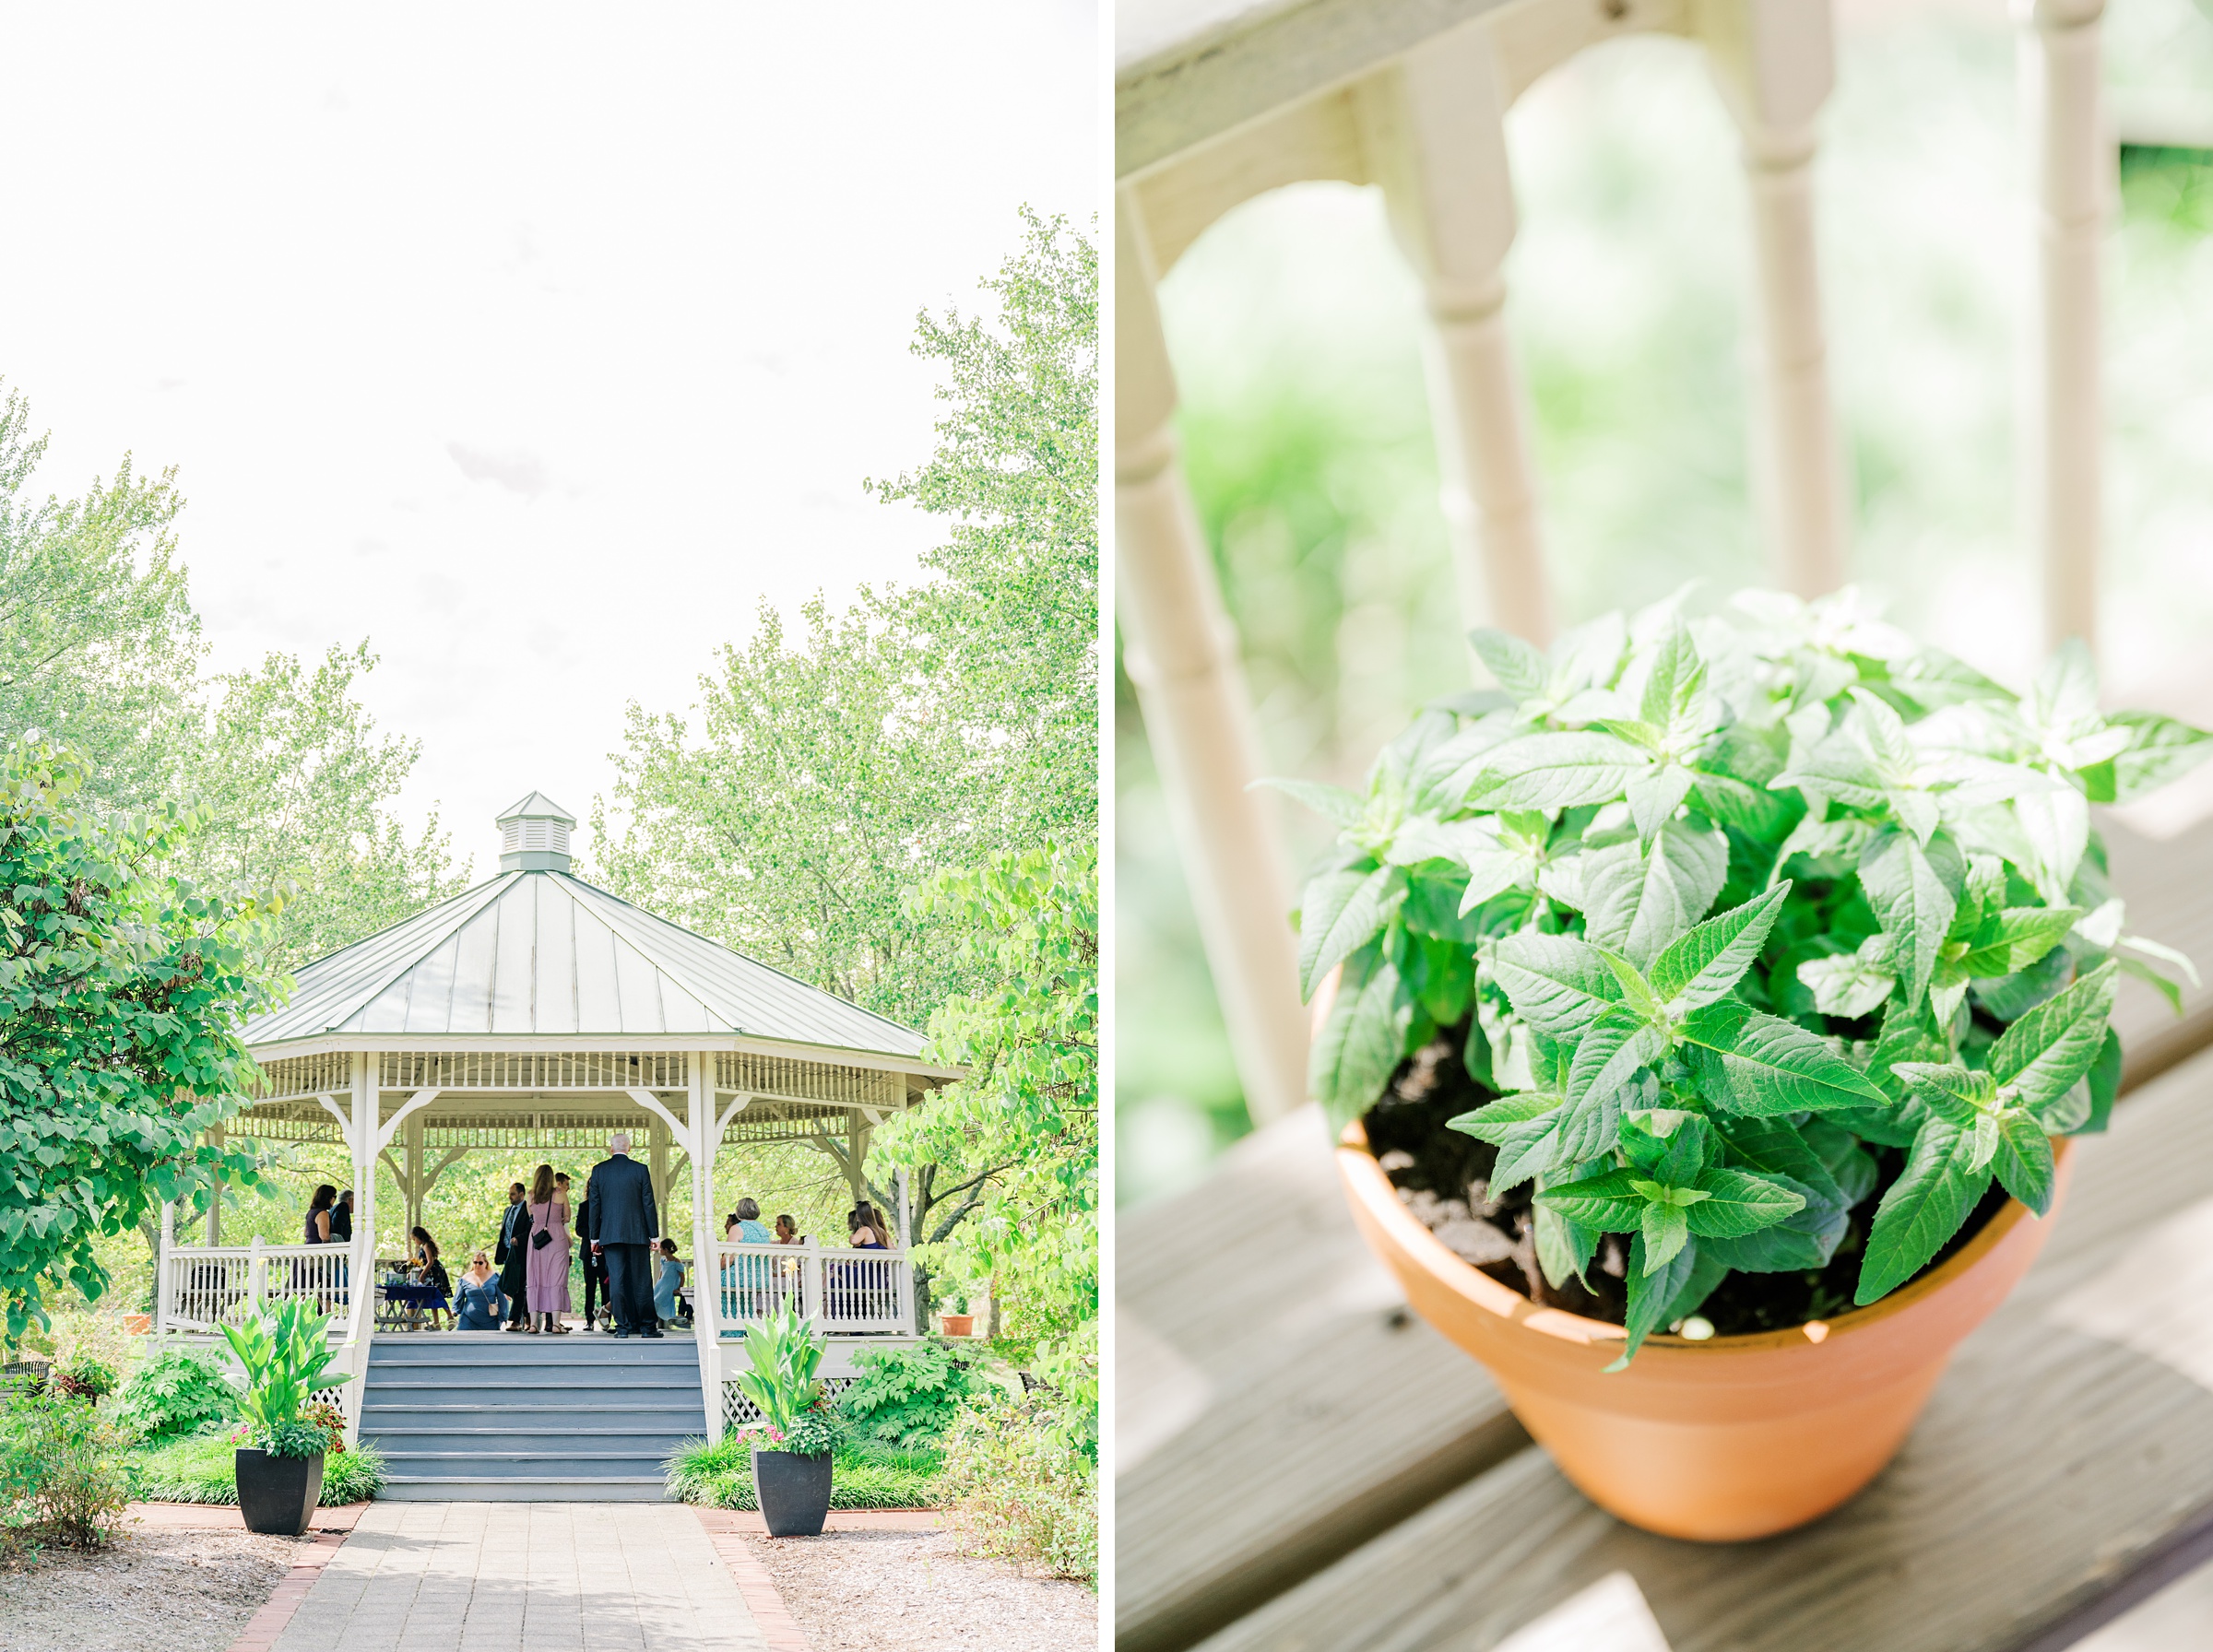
(1025, 1494)
(907, 1395)
(84, 1377)
(176, 1390)
(203, 1469)
(61, 1470)
(866, 1476)
(1914, 946)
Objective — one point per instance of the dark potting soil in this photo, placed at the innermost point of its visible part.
(1442, 1177)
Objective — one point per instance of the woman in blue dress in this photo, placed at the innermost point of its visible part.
(477, 1304)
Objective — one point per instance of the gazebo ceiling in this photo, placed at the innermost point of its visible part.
(538, 951)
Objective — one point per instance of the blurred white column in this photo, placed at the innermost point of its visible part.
(1181, 653)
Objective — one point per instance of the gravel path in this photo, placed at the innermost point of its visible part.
(861, 1591)
(152, 1590)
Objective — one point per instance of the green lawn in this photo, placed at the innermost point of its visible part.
(721, 1476)
(198, 1469)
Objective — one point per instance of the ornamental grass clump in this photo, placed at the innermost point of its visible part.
(1776, 947)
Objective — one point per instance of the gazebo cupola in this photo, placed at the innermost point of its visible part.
(533, 835)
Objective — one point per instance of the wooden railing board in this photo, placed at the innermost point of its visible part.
(2055, 1477)
(1257, 1331)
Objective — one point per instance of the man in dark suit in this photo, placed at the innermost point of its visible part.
(512, 1254)
(624, 1226)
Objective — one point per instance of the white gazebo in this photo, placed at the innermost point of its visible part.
(536, 1012)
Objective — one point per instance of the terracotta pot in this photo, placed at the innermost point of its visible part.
(1722, 1440)
(958, 1325)
(138, 1325)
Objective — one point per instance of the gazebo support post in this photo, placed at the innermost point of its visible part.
(706, 1276)
(657, 1159)
(215, 1194)
(361, 1318)
(162, 1280)
(413, 1186)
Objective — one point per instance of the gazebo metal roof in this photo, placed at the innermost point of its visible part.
(532, 952)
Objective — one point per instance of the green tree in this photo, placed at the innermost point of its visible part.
(1007, 1159)
(926, 728)
(1006, 637)
(98, 643)
(121, 991)
(297, 783)
(99, 648)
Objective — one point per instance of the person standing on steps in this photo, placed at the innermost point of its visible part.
(598, 1304)
(512, 1254)
(626, 1229)
(549, 1250)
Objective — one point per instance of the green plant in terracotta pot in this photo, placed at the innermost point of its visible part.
(1711, 1005)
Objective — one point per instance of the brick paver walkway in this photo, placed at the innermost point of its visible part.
(524, 1578)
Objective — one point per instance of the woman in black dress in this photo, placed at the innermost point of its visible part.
(317, 1227)
(433, 1271)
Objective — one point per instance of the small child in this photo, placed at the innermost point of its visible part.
(667, 1307)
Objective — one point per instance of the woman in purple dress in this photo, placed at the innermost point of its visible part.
(549, 1254)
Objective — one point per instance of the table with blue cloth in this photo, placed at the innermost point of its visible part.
(401, 1306)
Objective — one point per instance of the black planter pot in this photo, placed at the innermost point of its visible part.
(793, 1491)
(278, 1494)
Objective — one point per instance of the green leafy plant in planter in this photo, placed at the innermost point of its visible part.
(793, 1443)
(285, 1354)
(1776, 938)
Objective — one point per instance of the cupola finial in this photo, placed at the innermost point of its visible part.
(533, 835)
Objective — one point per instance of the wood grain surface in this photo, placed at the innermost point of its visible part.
(2065, 1466)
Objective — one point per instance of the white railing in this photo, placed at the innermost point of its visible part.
(846, 1292)
(203, 1287)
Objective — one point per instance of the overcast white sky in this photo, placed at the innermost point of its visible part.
(537, 345)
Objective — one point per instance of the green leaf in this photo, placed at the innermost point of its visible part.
(1334, 802)
(2044, 1055)
(2016, 937)
(1675, 698)
(1655, 796)
(1564, 1247)
(1653, 1294)
(2023, 1160)
(1665, 1230)
(2159, 749)
(1555, 770)
(1521, 669)
(1608, 1202)
(1361, 1044)
(2105, 1081)
(1491, 1123)
(1834, 767)
(1779, 1148)
(1666, 1143)
(1934, 1194)
(1639, 900)
(1915, 889)
(1701, 966)
(2165, 986)
(1738, 1203)
(1848, 985)
(1342, 912)
(1768, 1066)
(1949, 1090)
(1760, 814)
(1829, 847)
(2057, 821)
(1615, 1045)
(1779, 1249)
(1556, 984)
